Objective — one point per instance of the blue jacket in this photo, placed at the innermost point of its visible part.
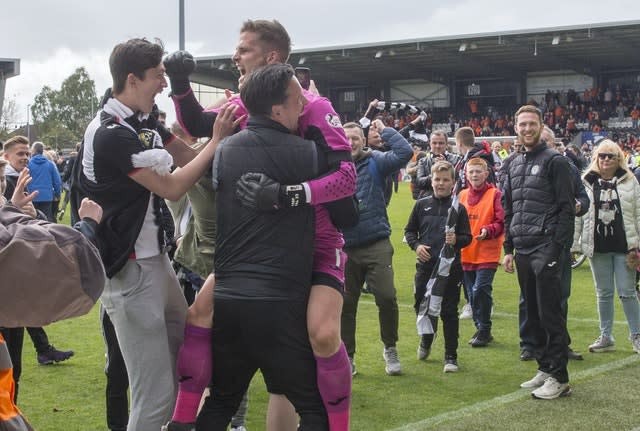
(372, 168)
(46, 179)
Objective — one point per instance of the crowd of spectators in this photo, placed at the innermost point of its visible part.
(567, 113)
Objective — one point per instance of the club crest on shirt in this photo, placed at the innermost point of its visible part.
(149, 138)
(535, 169)
(333, 120)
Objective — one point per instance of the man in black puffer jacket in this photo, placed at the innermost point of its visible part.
(539, 213)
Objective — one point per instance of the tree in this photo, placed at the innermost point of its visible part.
(62, 115)
(8, 121)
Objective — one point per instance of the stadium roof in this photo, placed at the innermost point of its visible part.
(590, 49)
(9, 67)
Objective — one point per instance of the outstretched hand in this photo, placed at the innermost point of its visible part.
(20, 198)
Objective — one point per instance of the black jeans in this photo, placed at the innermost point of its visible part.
(40, 339)
(449, 310)
(541, 288)
(117, 402)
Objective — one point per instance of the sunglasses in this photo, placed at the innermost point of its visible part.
(609, 156)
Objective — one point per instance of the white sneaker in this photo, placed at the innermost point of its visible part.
(635, 342)
(392, 362)
(467, 312)
(450, 365)
(240, 428)
(603, 344)
(538, 380)
(552, 389)
(352, 362)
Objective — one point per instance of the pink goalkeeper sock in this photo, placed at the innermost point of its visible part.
(194, 371)
(334, 383)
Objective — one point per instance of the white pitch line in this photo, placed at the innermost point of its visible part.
(514, 396)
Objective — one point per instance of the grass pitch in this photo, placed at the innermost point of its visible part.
(483, 395)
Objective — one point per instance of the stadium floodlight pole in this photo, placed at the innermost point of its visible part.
(181, 25)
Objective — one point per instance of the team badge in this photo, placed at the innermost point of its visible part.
(333, 120)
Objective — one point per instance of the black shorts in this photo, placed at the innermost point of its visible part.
(270, 336)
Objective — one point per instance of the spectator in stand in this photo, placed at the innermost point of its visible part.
(635, 115)
(46, 180)
(609, 235)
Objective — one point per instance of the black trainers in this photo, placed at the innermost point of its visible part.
(527, 355)
(483, 338)
(574, 355)
(52, 355)
(473, 337)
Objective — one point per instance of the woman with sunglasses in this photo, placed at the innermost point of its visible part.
(609, 235)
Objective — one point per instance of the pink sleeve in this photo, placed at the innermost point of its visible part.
(320, 123)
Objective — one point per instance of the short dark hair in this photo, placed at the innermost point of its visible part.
(37, 148)
(465, 136)
(272, 34)
(530, 109)
(265, 87)
(133, 56)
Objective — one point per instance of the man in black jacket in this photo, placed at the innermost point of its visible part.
(539, 215)
(264, 257)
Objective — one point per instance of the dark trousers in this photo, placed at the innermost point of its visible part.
(270, 336)
(40, 339)
(14, 338)
(541, 289)
(449, 310)
(46, 208)
(526, 334)
(117, 401)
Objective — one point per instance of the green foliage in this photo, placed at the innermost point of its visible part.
(62, 115)
(484, 395)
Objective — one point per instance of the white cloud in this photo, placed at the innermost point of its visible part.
(67, 34)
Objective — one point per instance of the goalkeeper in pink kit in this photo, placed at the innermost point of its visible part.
(265, 42)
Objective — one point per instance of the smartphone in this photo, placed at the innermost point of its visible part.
(304, 76)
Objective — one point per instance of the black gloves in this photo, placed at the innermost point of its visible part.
(179, 66)
(259, 192)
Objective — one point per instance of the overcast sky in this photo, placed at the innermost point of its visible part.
(53, 38)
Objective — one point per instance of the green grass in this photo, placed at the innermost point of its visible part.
(484, 395)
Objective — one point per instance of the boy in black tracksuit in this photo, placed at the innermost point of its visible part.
(425, 233)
